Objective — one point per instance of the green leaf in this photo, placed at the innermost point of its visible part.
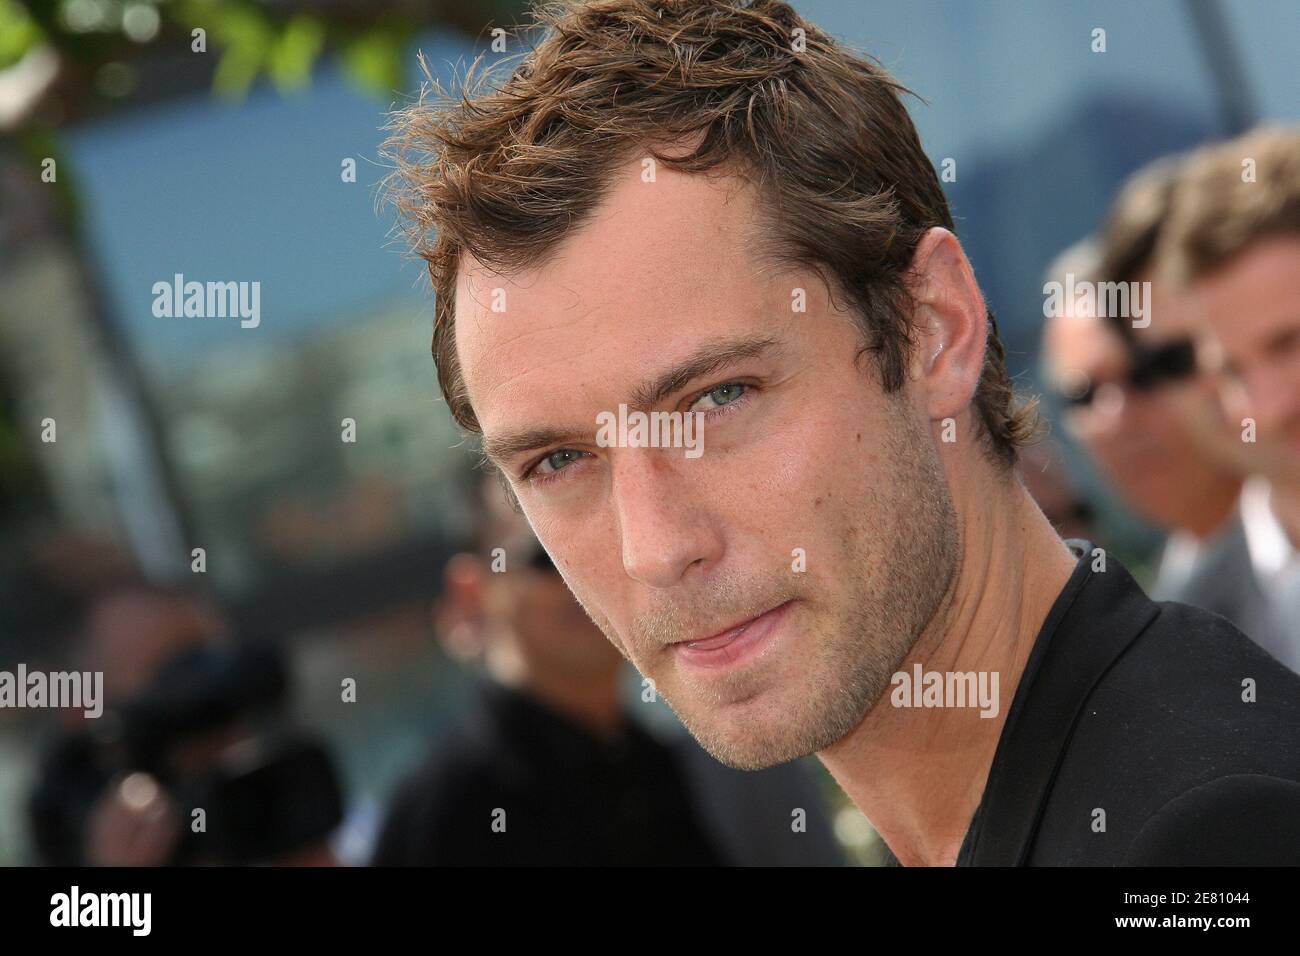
(373, 60)
(290, 60)
(245, 36)
(18, 33)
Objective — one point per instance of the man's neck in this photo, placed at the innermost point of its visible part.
(918, 773)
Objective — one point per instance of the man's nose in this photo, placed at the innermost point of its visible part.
(663, 529)
(1108, 410)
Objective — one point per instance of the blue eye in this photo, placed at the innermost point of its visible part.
(724, 394)
(558, 459)
(723, 399)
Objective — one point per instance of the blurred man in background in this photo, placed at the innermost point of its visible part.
(547, 768)
(1087, 366)
(1202, 462)
(1133, 394)
(1232, 248)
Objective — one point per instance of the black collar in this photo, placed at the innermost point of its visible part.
(1096, 617)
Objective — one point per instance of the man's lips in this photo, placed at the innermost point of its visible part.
(720, 638)
(736, 643)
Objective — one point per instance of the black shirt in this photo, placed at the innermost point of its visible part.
(565, 796)
(1133, 738)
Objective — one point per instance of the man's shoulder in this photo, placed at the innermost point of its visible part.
(461, 760)
(438, 801)
(1196, 645)
(1191, 732)
(1241, 819)
(1209, 720)
(1223, 580)
(1199, 667)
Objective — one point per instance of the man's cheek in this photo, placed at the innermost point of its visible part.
(1234, 405)
(592, 608)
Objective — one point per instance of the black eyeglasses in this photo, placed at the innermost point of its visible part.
(1151, 368)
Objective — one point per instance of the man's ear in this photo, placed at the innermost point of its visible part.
(460, 613)
(951, 325)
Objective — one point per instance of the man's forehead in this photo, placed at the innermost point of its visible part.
(1166, 305)
(657, 261)
(671, 231)
(1262, 267)
(1084, 341)
(1254, 295)
(563, 367)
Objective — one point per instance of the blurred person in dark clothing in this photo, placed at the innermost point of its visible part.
(546, 767)
(192, 723)
(1232, 252)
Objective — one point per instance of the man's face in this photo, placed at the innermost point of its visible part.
(1191, 402)
(818, 505)
(1130, 434)
(1165, 447)
(1252, 306)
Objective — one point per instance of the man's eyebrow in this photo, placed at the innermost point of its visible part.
(708, 357)
(501, 448)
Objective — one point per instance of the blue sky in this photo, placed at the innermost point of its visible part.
(246, 192)
(252, 191)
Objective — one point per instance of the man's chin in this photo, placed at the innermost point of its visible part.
(752, 735)
(750, 753)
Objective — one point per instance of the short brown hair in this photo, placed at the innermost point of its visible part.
(504, 175)
(1219, 211)
(1130, 232)
(1137, 215)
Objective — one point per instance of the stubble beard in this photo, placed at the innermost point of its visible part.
(900, 557)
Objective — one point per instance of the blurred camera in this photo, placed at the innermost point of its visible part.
(212, 730)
